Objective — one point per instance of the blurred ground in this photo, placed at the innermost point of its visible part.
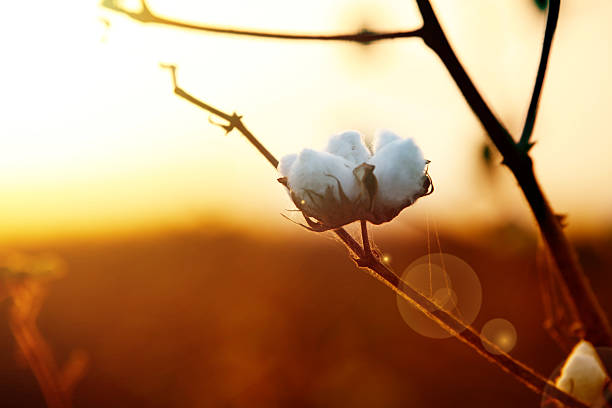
(223, 319)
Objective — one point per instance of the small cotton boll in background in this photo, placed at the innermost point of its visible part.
(384, 137)
(583, 375)
(350, 146)
(399, 169)
(285, 164)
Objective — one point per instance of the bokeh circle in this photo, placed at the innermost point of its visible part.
(501, 333)
(450, 283)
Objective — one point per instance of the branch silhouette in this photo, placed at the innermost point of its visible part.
(551, 26)
(364, 259)
(595, 324)
(364, 36)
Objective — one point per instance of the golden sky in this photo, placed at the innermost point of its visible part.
(92, 140)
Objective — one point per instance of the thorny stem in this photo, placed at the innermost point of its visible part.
(365, 36)
(526, 375)
(549, 32)
(596, 327)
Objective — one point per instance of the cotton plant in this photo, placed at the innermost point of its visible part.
(583, 375)
(348, 181)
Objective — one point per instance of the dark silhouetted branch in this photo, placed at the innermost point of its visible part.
(596, 326)
(365, 36)
(454, 326)
(551, 25)
(364, 238)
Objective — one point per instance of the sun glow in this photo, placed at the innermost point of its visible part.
(92, 138)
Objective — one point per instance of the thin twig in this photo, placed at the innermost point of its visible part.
(365, 36)
(596, 324)
(526, 375)
(365, 238)
(454, 326)
(234, 120)
(551, 25)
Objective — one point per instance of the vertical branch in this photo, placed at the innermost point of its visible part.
(365, 238)
(551, 25)
(597, 328)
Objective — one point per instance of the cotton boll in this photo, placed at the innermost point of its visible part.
(324, 187)
(399, 168)
(346, 184)
(350, 146)
(285, 164)
(384, 137)
(583, 375)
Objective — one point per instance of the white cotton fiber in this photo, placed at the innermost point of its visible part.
(346, 183)
(383, 137)
(315, 173)
(583, 375)
(285, 164)
(350, 146)
(399, 169)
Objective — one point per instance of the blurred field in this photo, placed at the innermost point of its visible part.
(220, 318)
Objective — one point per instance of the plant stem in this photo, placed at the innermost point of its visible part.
(450, 323)
(364, 237)
(526, 375)
(145, 15)
(596, 326)
(551, 24)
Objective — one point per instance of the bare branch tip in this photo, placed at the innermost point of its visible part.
(172, 69)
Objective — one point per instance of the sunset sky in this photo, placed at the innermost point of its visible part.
(92, 140)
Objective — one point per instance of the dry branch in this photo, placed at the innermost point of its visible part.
(549, 32)
(526, 375)
(596, 326)
(364, 36)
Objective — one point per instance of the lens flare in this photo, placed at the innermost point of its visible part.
(450, 283)
(501, 333)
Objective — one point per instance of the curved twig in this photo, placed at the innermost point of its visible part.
(364, 36)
